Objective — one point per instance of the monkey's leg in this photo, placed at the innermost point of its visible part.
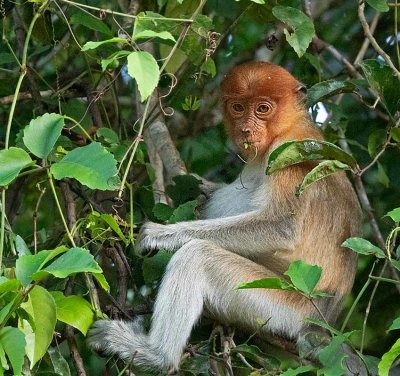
(200, 273)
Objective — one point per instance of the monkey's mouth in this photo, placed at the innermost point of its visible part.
(247, 144)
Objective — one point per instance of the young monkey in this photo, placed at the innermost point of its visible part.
(250, 229)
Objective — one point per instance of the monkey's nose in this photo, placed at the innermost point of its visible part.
(246, 132)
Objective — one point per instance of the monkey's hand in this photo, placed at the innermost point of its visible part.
(154, 236)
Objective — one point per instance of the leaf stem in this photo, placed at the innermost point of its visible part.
(352, 308)
(109, 11)
(79, 126)
(10, 119)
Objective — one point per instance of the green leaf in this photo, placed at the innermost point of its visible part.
(91, 22)
(304, 276)
(42, 309)
(381, 79)
(91, 165)
(332, 357)
(42, 133)
(60, 365)
(294, 152)
(321, 171)
(6, 309)
(382, 176)
(74, 311)
(146, 34)
(93, 45)
(154, 267)
(76, 260)
(28, 265)
(302, 26)
(144, 69)
(256, 355)
(363, 247)
(108, 135)
(395, 264)
(208, 67)
(395, 325)
(21, 247)
(186, 188)
(375, 140)
(102, 281)
(395, 133)
(12, 340)
(9, 284)
(110, 220)
(299, 370)
(323, 90)
(267, 283)
(388, 359)
(12, 161)
(162, 211)
(113, 59)
(379, 5)
(394, 214)
(184, 212)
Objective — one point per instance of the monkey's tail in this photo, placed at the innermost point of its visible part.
(127, 340)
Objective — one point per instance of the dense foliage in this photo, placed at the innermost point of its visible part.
(88, 92)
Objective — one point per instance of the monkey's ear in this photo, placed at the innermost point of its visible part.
(301, 89)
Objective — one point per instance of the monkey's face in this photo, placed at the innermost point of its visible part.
(260, 103)
(248, 122)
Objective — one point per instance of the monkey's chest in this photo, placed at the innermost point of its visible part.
(237, 198)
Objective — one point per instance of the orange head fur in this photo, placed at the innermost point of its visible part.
(262, 105)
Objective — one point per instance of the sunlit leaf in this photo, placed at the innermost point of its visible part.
(12, 161)
(388, 358)
(267, 283)
(363, 247)
(42, 310)
(74, 311)
(304, 276)
(293, 152)
(93, 45)
(394, 214)
(146, 34)
(321, 171)
(76, 260)
(144, 69)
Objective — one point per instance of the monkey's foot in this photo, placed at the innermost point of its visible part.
(126, 340)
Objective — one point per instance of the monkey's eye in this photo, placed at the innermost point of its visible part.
(237, 107)
(263, 108)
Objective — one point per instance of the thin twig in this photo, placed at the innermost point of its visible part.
(42, 192)
(368, 34)
(364, 47)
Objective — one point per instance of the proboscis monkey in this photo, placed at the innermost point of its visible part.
(250, 229)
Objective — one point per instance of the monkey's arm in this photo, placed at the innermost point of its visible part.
(245, 234)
